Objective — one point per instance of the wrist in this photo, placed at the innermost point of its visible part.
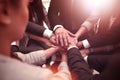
(80, 45)
(55, 47)
(47, 33)
(72, 46)
(56, 27)
(85, 43)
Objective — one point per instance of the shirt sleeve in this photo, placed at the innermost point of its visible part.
(47, 33)
(57, 26)
(63, 72)
(91, 20)
(35, 57)
(86, 43)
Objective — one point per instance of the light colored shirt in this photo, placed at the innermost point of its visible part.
(12, 69)
(35, 57)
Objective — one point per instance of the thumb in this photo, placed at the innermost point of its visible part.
(71, 34)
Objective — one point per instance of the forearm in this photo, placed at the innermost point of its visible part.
(35, 57)
(49, 52)
(78, 65)
(35, 29)
(34, 37)
(82, 30)
(63, 72)
(87, 25)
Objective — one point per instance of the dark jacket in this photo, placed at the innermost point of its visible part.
(67, 13)
(106, 37)
(82, 71)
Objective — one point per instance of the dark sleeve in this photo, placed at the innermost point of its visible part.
(53, 11)
(109, 38)
(35, 29)
(79, 67)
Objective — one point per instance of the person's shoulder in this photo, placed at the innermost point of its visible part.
(16, 70)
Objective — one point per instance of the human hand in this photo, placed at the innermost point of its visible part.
(48, 42)
(62, 36)
(72, 41)
(80, 44)
(53, 39)
(63, 55)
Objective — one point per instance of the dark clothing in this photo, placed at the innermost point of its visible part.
(82, 70)
(36, 13)
(101, 63)
(107, 37)
(37, 16)
(79, 67)
(35, 29)
(69, 13)
(29, 45)
(98, 62)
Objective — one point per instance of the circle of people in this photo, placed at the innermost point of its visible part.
(67, 42)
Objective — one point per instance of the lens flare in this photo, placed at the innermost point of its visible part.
(98, 4)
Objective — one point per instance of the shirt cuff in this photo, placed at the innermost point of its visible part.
(72, 47)
(57, 26)
(86, 43)
(85, 58)
(47, 33)
(87, 25)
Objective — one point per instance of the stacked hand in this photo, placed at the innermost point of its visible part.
(62, 37)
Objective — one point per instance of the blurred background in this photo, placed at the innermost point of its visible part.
(46, 3)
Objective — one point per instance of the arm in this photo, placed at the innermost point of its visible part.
(78, 65)
(40, 39)
(38, 30)
(108, 38)
(88, 23)
(37, 57)
(35, 29)
(63, 70)
(57, 24)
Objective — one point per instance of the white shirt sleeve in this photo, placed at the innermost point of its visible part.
(72, 47)
(47, 33)
(57, 26)
(86, 43)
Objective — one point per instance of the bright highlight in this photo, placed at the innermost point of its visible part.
(98, 4)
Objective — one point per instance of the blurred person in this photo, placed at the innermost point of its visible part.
(109, 37)
(70, 16)
(39, 34)
(37, 16)
(102, 63)
(13, 21)
(107, 65)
